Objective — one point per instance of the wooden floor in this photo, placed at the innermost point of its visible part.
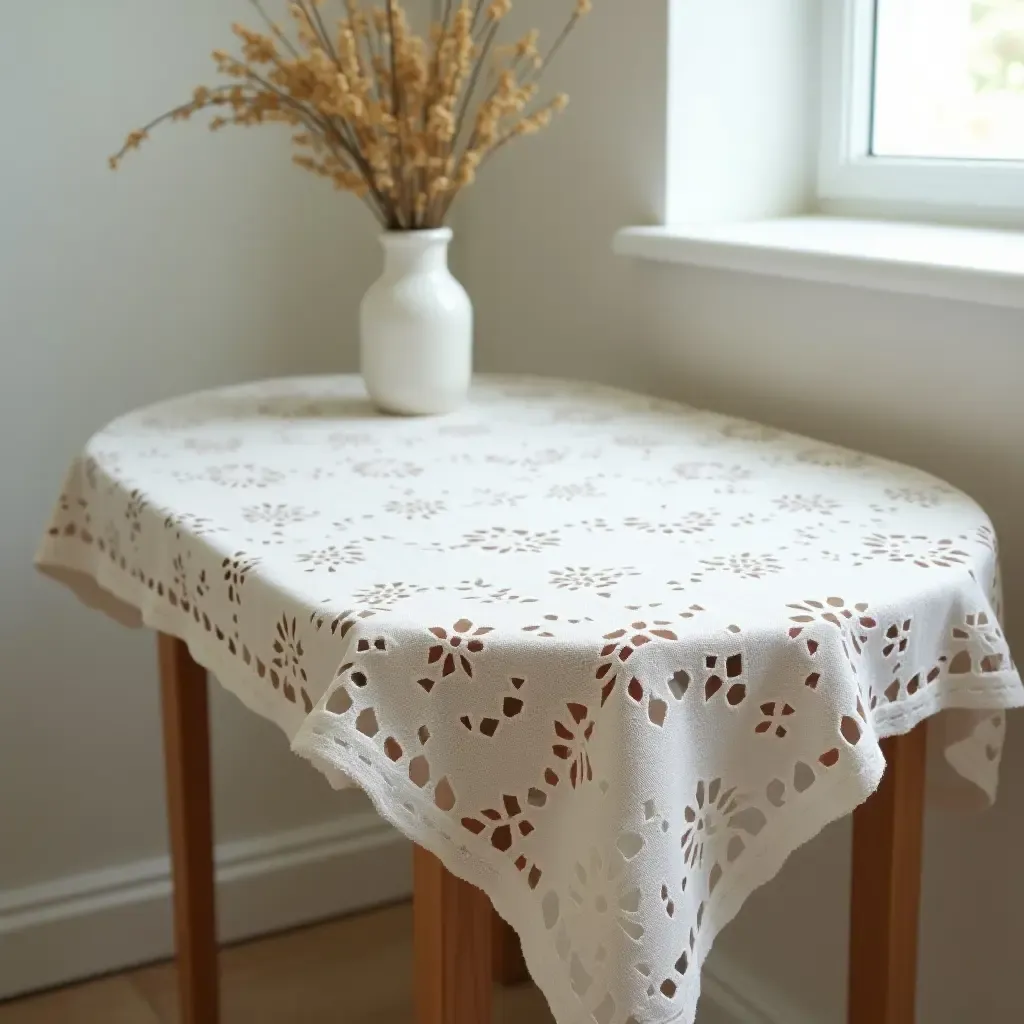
(357, 970)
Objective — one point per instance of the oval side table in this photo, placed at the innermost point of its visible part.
(606, 659)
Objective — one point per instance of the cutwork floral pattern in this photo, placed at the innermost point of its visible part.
(583, 577)
(415, 508)
(185, 524)
(573, 492)
(507, 829)
(622, 644)
(490, 593)
(697, 521)
(275, 522)
(235, 570)
(744, 565)
(606, 653)
(386, 595)
(278, 517)
(236, 476)
(718, 822)
(597, 885)
(572, 740)
(486, 497)
(813, 504)
(287, 671)
(457, 646)
(387, 469)
(333, 557)
(718, 471)
(504, 540)
(919, 549)
(212, 445)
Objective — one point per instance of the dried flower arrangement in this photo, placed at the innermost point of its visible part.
(402, 122)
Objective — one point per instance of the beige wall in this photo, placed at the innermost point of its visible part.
(932, 383)
(203, 261)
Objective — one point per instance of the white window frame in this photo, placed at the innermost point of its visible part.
(847, 170)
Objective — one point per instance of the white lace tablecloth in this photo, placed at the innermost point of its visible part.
(611, 658)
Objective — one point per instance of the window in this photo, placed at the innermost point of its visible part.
(891, 176)
(959, 96)
(923, 103)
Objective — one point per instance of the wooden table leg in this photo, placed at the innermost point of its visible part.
(452, 937)
(886, 888)
(509, 965)
(187, 759)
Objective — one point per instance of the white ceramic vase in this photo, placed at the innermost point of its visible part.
(416, 328)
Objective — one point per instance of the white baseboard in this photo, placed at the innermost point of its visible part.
(108, 920)
(731, 995)
(101, 921)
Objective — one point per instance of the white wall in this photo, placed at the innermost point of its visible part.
(933, 383)
(204, 260)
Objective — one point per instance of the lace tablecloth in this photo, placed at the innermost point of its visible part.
(611, 658)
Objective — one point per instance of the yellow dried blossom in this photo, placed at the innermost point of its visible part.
(402, 121)
(439, 185)
(256, 48)
(527, 46)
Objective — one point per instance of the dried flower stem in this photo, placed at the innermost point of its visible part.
(398, 152)
(274, 28)
(477, 11)
(313, 10)
(475, 77)
(558, 43)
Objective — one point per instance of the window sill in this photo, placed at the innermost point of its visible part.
(969, 264)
